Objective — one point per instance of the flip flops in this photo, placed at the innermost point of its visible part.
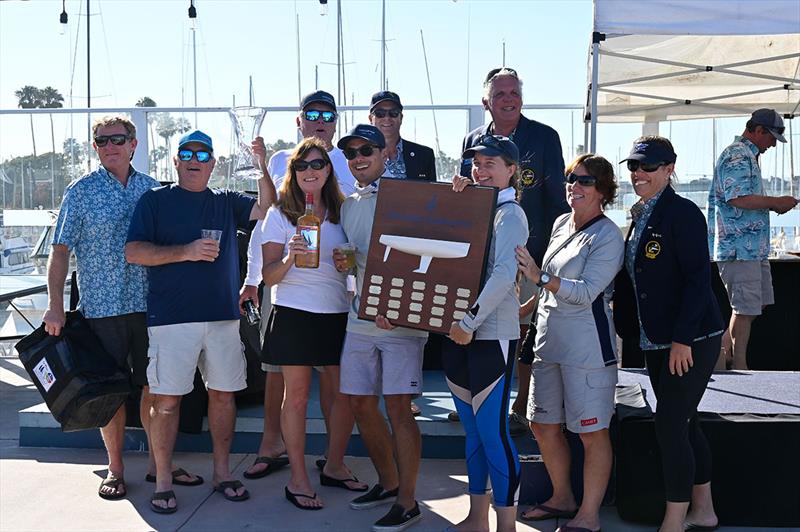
(163, 496)
(273, 464)
(549, 513)
(331, 482)
(115, 483)
(178, 473)
(293, 498)
(233, 485)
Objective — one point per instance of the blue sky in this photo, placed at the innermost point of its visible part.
(142, 48)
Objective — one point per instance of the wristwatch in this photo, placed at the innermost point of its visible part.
(544, 278)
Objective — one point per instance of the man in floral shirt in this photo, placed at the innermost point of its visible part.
(738, 225)
(93, 223)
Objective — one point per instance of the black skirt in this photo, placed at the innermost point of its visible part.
(300, 338)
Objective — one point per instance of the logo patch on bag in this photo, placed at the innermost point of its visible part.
(587, 422)
(44, 374)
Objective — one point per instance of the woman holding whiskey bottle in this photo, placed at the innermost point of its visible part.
(306, 326)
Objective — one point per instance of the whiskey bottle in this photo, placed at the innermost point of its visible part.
(308, 225)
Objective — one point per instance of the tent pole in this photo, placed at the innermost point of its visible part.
(597, 37)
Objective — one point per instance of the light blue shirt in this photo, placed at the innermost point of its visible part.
(93, 222)
(397, 167)
(733, 233)
(640, 214)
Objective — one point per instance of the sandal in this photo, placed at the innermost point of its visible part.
(331, 482)
(293, 498)
(273, 464)
(232, 485)
(180, 472)
(549, 513)
(163, 496)
(115, 483)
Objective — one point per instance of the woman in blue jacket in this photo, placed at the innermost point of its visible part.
(663, 297)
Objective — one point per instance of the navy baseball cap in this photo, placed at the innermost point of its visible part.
(367, 132)
(320, 97)
(770, 120)
(196, 136)
(385, 96)
(493, 145)
(651, 153)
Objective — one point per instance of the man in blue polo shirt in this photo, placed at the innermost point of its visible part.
(93, 223)
(186, 234)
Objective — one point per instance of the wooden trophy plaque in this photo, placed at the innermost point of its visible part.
(427, 253)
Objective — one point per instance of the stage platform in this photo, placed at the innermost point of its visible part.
(735, 392)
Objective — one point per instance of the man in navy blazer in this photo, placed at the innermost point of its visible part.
(543, 193)
(404, 159)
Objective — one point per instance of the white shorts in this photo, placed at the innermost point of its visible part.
(213, 346)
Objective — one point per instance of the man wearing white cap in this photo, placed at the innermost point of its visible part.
(738, 225)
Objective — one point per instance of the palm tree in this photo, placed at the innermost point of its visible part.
(50, 98)
(147, 101)
(29, 97)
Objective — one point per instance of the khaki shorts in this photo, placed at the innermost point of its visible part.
(213, 346)
(581, 398)
(381, 365)
(749, 285)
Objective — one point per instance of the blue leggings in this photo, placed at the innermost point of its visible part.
(479, 377)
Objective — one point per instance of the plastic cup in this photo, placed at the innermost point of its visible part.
(213, 234)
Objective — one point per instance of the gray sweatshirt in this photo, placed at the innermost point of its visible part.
(574, 326)
(495, 314)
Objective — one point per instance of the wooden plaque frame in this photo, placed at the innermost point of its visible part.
(427, 253)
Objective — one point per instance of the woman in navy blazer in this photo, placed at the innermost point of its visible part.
(663, 298)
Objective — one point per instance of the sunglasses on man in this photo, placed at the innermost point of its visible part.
(117, 140)
(202, 156)
(644, 167)
(381, 113)
(582, 180)
(366, 150)
(316, 164)
(312, 115)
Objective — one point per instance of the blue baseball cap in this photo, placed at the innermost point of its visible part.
(651, 153)
(318, 97)
(198, 137)
(367, 132)
(493, 145)
(385, 96)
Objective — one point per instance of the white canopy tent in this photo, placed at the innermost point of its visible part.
(654, 60)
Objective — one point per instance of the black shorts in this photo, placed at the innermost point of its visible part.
(125, 338)
(300, 338)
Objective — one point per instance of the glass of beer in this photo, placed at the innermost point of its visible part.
(349, 251)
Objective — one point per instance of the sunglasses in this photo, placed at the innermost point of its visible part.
(644, 167)
(312, 115)
(582, 180)
(202, 156)
(116, 140)
(366, 150)
(316, 164)
(381, 113)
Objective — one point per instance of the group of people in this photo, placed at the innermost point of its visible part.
(163, 296)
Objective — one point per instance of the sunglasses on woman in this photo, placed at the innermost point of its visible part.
(312, 115)
(644, 167)
(316, 164)
(366, 150)
(202, 156)
(582, 180)
(116, 140)
(381, 113)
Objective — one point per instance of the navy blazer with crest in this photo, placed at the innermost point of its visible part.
(673, 277)
(419, 160)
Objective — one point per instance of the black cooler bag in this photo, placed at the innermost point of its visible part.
(81, 383)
